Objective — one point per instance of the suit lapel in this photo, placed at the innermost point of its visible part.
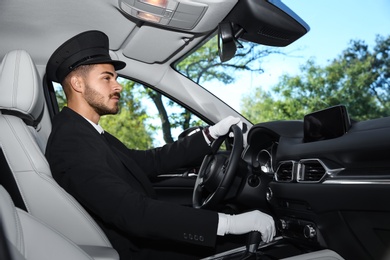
(131, 165)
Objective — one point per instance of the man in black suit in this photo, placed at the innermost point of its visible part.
(112, 181)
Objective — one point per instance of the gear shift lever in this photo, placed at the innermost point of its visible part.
(254, 239)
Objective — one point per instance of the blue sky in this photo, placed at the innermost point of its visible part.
(341, 20)
(333, 24)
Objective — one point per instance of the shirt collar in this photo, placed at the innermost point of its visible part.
(98, 127)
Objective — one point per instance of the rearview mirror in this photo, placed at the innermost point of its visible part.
(226, 41)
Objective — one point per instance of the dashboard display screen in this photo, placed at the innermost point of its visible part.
(326, 124)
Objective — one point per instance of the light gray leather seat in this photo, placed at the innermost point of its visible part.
(31, 239)
(24, 170)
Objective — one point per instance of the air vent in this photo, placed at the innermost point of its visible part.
(285, 171)
(311, 171)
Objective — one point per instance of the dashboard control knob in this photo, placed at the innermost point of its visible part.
(253, 181)
(309, 231)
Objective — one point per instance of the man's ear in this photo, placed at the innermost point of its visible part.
(77, 83)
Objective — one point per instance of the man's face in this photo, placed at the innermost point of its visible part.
(102, 91)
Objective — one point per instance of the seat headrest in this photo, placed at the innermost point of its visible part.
(20, 86)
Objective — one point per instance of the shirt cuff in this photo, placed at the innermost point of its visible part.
(206, 134)
(222, 224)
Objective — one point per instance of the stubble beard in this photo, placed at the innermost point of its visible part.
(96, 101)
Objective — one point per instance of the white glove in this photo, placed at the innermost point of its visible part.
(222, 127)
(247, 222)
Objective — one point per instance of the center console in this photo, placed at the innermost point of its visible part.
(279, 248)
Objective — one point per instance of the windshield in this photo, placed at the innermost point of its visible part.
(343, 59)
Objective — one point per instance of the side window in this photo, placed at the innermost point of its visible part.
(146, 119)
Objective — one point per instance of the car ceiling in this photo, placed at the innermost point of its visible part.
(40, 26)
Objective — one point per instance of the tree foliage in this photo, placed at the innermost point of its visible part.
(201, 66)
(205, 64)
(358, 78)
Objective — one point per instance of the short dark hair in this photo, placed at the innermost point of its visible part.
(81, 70)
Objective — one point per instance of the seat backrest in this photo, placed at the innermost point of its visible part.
(31, 238)
(24, 170)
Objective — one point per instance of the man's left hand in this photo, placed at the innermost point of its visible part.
(222, 127)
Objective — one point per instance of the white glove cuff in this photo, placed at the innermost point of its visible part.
(223, 224)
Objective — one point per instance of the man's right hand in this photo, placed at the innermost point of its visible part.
(247, 222)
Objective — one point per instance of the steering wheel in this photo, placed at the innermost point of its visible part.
(217, 172)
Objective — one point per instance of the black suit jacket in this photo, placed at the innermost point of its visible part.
(111, 182)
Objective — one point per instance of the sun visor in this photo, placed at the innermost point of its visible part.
(145, 44)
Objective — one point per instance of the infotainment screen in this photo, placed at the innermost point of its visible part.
(326, 124)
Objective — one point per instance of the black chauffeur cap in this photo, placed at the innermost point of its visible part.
(90, 47)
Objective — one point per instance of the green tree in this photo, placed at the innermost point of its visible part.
(205, 65)
(358, 78)
(60, 96)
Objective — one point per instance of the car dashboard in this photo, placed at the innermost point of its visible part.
(328, 193)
